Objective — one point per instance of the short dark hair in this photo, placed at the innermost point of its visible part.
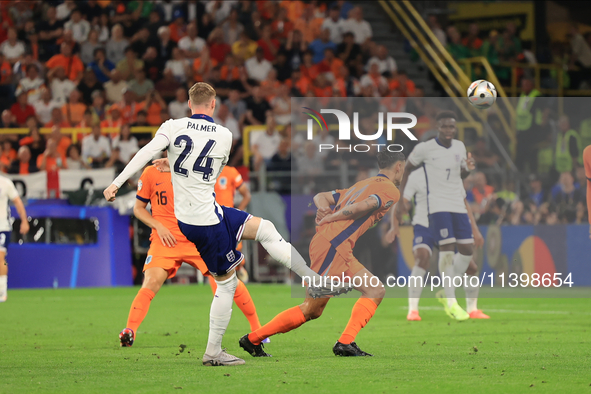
(387, 159)
(99, 49)
(446, 115)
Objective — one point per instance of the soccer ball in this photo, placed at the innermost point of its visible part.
(482, 94)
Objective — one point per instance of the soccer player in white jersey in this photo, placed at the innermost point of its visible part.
(445, 164)
(198, 150)
(8, 192)
(416, 188)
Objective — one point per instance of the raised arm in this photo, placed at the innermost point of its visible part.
(245, 192)
(147, 153)
(400, 208)
(140, 212)
(323, 201)
(353, 211)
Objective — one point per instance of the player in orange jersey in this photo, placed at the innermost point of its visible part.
(169, 248)
(587, 162)
(226, 186)
(331, 252)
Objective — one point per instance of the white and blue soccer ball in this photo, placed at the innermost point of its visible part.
(482, 94)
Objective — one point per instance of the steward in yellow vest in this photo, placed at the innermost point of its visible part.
(569, 150)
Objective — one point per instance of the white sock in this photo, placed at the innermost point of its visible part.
(220, 313)
(414, 291)
(283, 251)
(461, 263)
(446, 271)
(471, 296)
(3, 285)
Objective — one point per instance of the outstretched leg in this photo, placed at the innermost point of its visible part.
(244, 301)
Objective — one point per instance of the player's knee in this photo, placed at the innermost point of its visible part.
(472, 269)
(266, 231)
(312, 310)
(465, 249)
(378, 291)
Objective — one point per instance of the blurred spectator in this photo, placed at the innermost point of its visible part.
(310, 164)
(218, 49)
(35, 142)
(178, 107)
(191, 45)
(232, 28)
(129, 64)
(281, 162)
(308, 24)
(323, 137)
(509, 45)
(12, 48)
(401, 85)
(62, 142)
(31, 84)
(74, 160)
(322, 87)
(101, 66)
(57, 118)
(375, 80)
(235, 104)
(257, 107)
(219, 10)
(270, 85)
(23, 165)
(140, 86)
(358, 26)
(153, 105)
(113, 118)
(435, 27)
(269, 45)
(117, 45)
(536, 194)
(294, 49)
(225, 118)
(153, 64)
(51, 160)
(7, 120)
(126, 143)
(103, 27)
(88, 86)
(114, 88)
(96, 148)
(178, 28)
(97, 106)
(282, 66)
(482, 156)
(50, 30)
(80, 27)
(455, 47)
(168, 85)
(44, 106)
(22, 109)
(88, 47)
(481, 191)
(308, 68)
(282, 26)
(244, 48)
(335, 24)
(71, 64)
(61, 87)
(87, 121)
(5, 76)
(179, 66)
(258, 67)
(166, 44)
(266, 144)
(319, 45)
(349, 51)
(73, 110)
(581, 57)
(472, 41)
(68, 40)
(495, 214)
(281, 105)
(8, 155)
(386, 64)
(141, 41)
(65, 9)
(569, 152)
(565, 194)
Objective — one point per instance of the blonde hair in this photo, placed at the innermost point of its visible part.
(201, 93)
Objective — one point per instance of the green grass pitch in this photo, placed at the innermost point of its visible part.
(67, 341)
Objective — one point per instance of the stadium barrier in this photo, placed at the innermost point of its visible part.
(76, 132)
(70, 247)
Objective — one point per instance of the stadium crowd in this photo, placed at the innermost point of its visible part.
(107, 65)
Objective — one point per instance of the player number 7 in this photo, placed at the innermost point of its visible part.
(448, 172)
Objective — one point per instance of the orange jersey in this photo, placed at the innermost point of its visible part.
(227, 184)
(155, 187)
(587, 162)
(343, 234)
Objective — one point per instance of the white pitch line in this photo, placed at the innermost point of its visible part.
(540, 312)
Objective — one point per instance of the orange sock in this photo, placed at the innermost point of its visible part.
(139, 308)
(282, 323)
(244, 301)
(362, 312)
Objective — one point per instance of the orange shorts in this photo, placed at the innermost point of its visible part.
(171, 264)
(325, 260)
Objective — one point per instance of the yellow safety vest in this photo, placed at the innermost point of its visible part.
(523, 112)
(545, 159)
(586, 132)
(564, 161)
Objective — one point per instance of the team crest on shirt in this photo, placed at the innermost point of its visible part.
(148, 260)
(231, 256)
(444, 233)
(140, 184)
(418, 240)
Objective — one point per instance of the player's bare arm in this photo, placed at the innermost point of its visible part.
(140, 212)
(394, 230)
(398, 211)
(162, 165)
(323, 201)
(470, 166)
(22, 213)
(246, 197)
(478, 238)
(353, 211)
